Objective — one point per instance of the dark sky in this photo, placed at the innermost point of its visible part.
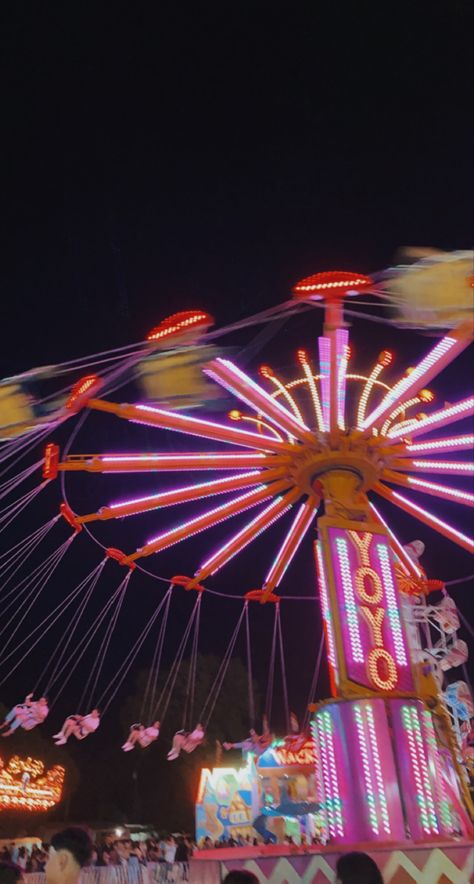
(162, 156)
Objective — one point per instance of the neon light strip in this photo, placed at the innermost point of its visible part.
(451, 443)
(443, 803)
(424, 770)
(232, 378)
(455, 468)
(313, 390)
(378, 769)
(433, 488)
(250, 498)
(289, 398)
(342, 358)
(323, 589)
(424, 371)
(242, 538)
(299, 527)
(370, 796)
(420, 798)
(377, 369)
(166, 498)
(349, 598)
(207, 429)
(239, 460)
(405, 560)
(324, 766)
(321, 773)
(325, 368)
(392, 606)
(440, 418)
(336, 795)
(396, 411)
(425, 516)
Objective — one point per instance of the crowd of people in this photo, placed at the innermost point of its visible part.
(72, 850)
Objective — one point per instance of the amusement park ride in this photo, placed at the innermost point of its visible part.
(392, 755)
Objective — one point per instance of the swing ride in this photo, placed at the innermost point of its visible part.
(392, 748)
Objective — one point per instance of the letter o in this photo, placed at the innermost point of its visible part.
(384, 681)
(361, 576)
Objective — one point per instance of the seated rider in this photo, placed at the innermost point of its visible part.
(26, 715)
(142, 735)
(78, 725)
(187, 742)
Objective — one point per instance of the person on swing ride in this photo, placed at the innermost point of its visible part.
(142, 735)
(26, 715)
(186, 742)
(78, 725)
(295, 740)
(256, 743)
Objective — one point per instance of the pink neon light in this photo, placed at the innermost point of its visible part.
(181, 458)
(342, 358)
(221, 488)
(324, 595)
(274, 505)
(442, 491)
(445, 466)
(196, 426)
(302, 521)
(393, 612)
(440, 418)
(275, 412)
(433, 519)
(451, 443)
(364, 755)
(425, 370)
(406, 561)
(325, 369)
(246, 499)
(378, 768)
(345, 576)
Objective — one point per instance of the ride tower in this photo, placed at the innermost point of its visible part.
(387, 768)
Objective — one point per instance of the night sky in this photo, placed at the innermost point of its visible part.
(167, 156)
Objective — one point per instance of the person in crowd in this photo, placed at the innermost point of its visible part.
(78, 725)
(182, 857)
(170, 854)
(186, 742)
(357, 868)
(240, 876)
(22, 858)
(10, 873)
(120, 854)
(69, 852)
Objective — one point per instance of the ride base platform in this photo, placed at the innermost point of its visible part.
(442, 862)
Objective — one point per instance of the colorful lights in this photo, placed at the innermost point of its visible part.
(393, 611)
(440, 418)
(324, 345)
(51, 460)
(25, 785)
(451, 443)
(180, 322)
(400, 409)
(298, 529)
(459, 468)
(326, 609)
(342, 358)
(443, 352)
(240, 460)
(437, 490)
(419, 766)
(332, 804)
(426, 517)
(338, 282)
(366, 768)
(236, 381)
(312, 389)
(89, 384)
(350, 604)
(383, 809)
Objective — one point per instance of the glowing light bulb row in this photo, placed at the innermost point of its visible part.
(428, 518)
(247, 500)
(220, 486)
(364, 754)
(368, 387)
(451, 443)
(443, 803)
(342, 359)
(303, 519)
(442, 490)
(326, 732)
(326, 609)
(325, 369)
(321, 775)
(419, 769)
(378, 769)
(349, 599)
(424, 370)
(323, 766)
(424, 769)
(445, 466)
(398, 410)
(392, 605)
(310, 379)
(258, 524)
(182, 460)
(462, 409)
